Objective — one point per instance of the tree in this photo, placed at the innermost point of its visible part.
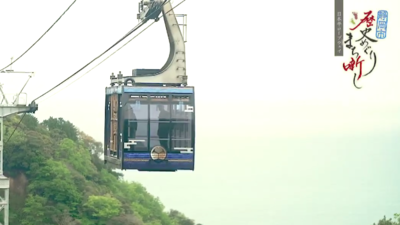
(102, 207)
(125, 219)
(66, 181)
(65, 218)
(34, 211)
(30, 121)
(53, 180)
(384, 221)
(179, 218)
(60, 125)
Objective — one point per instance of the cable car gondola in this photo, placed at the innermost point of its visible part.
(150, 116)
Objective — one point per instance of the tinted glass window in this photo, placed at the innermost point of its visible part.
(159, 142)
(161, 129)
(137, 108)
(160, 108)
(136, 130)
(181, 144)
(179, 107)
(140, 134)
(141, 130)
(181, 130)
(140, 146)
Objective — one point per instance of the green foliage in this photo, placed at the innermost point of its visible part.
(60, 179)
(34, 211)
(62, 128)
(179, 218)
(68, 183)
(125, 219)
(385, 221)
(54, 181)
(102, 207)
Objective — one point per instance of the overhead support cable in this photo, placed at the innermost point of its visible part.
(125, 36)
(12, 62)
(107, 56)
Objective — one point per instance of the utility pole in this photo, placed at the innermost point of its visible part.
(7, 108)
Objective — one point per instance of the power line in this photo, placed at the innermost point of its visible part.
(125, 36)
(93, 67)
(40, 37)
(130, 32)
(134, 29)
(15, 128)
(97, 64)
(105, 58)
(110, 55)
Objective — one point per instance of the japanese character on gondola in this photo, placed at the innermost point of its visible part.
(351, 66)
(350, 46)
(368, 19)
(364, 41)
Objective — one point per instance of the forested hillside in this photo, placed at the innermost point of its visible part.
(57, 178)
(390, 221)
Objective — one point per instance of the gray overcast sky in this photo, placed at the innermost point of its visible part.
(283, 137)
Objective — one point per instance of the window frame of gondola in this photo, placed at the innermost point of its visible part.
(144, 99)
(193, 100)
(107, 127)
(165, 100)
(189, 134)
(120, 144)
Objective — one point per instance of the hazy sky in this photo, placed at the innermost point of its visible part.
(283, 136)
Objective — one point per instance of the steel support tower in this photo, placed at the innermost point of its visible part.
(7, 108)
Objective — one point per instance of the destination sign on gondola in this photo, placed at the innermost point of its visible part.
(138, 96)
(159, 98)
(180, 98)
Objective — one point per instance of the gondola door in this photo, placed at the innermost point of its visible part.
(114, 125)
